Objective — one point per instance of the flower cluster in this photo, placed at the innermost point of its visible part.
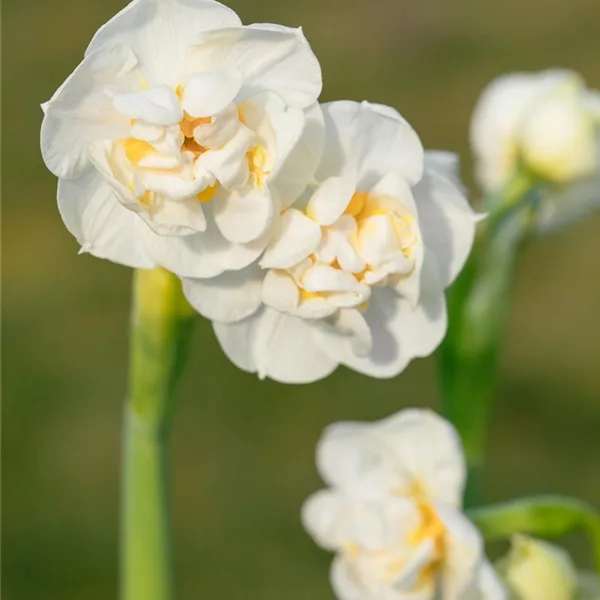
(392, 513)
(311, 236)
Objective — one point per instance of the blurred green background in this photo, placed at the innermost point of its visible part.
(243, 449)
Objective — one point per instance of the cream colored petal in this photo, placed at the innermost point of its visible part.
(245, 215)
(226, 298)
(293, 238)
(160, 31)
(80, 112)
(269, 58)
(101, 224)
(275, 345)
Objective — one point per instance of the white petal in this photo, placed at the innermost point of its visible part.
(325, 518)
(398, 146)
(400, 333)
(157, 105)
(208, 93)
(330, 199)
(424, 271)
(299, 168)
(277, 126)
(411, 575)
(346, 583)
(347, 326)
(280, 291)
(323, 278)
(394, 192)
(80, 112)
(464, 548)
(222, 128)
(377, 242)
(167, 217)
(159, 31)
(101, 224)
(229, 163)
(447, 223)
(377, 138)
(349, 582)
(173, 184)
(146, 131)
(245, 215)
(446, 164)
(316, 308)
(340, 152)
(489, 585)
(429, 451)
(386, 142)
(237, 341)
(203, 254)
(336, 520)
(293, 238)
(276, 346)
(352, 457)
(226, 298)
(270, 58)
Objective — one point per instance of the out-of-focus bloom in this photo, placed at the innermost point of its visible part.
(537, 570)
(547, 122)
(356, 269)
(392, 512)
(179, 131)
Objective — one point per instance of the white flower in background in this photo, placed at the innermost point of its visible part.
(356, 268)
(548, 122)
(538, 570)
(178, 134)
(392, 512)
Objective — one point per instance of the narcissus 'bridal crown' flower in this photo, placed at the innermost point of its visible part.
(392, 513)
(547, 122)
(180, 133)
(356, 268)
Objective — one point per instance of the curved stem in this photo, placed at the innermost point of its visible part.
(160, 329)
(547, 516)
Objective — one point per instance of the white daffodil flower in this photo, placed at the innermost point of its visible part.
(548, 122)
(178, 132)
(356, 268)
(392, 512)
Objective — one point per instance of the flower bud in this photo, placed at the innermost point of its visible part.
(546, 122)
(537, 570)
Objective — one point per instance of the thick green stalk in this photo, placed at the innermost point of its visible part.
(160, 329)
(477, 307)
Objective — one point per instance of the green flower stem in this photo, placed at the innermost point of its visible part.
(545, 516)
(477, 307)
(160, 330)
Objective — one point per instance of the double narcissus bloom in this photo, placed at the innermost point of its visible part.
(356, 267)
(312, 236)
(392, 513)
(547, 124)
(180, 135)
